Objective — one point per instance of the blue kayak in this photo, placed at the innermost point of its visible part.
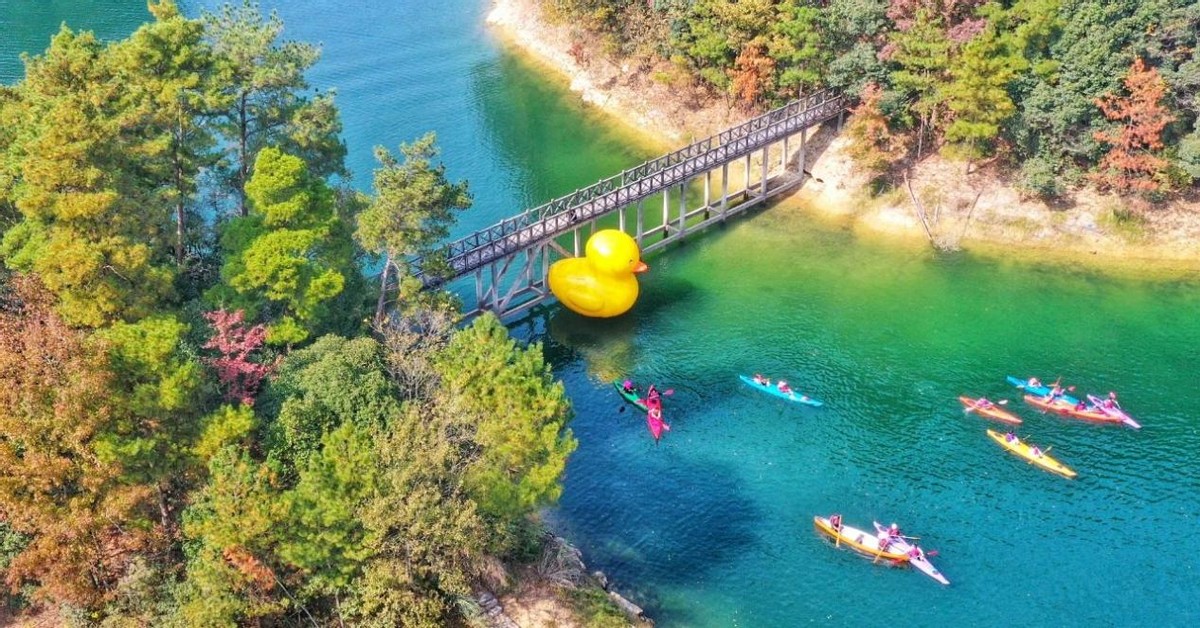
(1040, 391)
(794, 396)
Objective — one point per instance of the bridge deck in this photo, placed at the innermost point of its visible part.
(561, 215)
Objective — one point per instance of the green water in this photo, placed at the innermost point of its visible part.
(713, 526)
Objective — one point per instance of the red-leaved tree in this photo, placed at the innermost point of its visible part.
(1132, 164)
(237, 344)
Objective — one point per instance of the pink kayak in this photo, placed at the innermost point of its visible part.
(655, 423)
(1113, 410)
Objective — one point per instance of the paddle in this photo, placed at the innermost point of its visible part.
(877, 555)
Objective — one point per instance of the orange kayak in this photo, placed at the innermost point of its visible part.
(992, 411)
(1064, 408)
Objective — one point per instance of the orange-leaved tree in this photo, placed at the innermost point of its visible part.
(81, 517)
(1133, 164)
(873, 146)
(753, 74)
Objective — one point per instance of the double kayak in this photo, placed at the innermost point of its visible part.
(859, 540)
(631, 397)
(1087, 413)
(1113, 410)
(916, 559)
(774, 390)
(991, 411)
(1038, 390)
(1025, 451)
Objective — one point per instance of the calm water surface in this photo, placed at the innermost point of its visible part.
(713, 526)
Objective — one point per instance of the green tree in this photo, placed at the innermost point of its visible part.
(516, 415)
(923, 53)
(168, 69)
(977, 94)
(320, 387)
(413, 208)
(93, 226)
(798, 48)
(265, 103)
(155, 393)
(292, 256)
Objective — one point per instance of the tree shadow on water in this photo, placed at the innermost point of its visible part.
(658, 522)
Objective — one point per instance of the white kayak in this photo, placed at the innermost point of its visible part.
(917, 559)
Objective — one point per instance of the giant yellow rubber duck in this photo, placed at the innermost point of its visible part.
(600, 284)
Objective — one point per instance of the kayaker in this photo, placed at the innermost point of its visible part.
(1010, 437)
(983, 403)
(835, 522)
(628, 386)
(914, 553)
(784, 388)
(894, 531)
(1081, 406)
(884, 541)
(1111, 402)
(762, 381)
(1035, 382)
(1034, 451)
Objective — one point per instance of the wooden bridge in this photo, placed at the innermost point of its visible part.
(510, 259)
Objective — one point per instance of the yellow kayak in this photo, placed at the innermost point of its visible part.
(1025, 451)
(860, 540)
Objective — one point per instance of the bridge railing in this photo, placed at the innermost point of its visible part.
(560, 214)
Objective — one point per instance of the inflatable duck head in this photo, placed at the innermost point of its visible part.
(602, 282)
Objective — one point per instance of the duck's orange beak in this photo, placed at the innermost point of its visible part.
(641, 267)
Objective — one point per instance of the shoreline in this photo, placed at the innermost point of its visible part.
(978, 213)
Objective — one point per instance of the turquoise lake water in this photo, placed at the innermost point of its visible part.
(713, 526)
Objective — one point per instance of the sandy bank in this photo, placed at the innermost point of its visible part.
(979, 212)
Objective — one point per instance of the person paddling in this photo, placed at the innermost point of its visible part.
(761, 381)
(784, 388)
(628, 386)
(835, 522)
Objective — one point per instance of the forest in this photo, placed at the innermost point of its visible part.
(1064, 93)
(209, 415)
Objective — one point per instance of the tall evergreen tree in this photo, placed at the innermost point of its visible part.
(168, 68)
(93, 225)
(291, 256)
(266, 101)
(413, 208)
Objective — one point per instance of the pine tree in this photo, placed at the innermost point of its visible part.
(413, 208)
(265, 102)
(977, 95)
(93, 227)
(292, 256)
(506, 399)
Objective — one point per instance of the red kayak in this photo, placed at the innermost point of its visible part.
(990, 410)
(656, 424)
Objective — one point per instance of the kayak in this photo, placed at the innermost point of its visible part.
(859, 540)
(920, 561)
(1044, 461)
(656, 426)
(993, 412)
(1114, 411)
(630, 397)
(774, 390)
(1058, 406)
(1038, 390)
